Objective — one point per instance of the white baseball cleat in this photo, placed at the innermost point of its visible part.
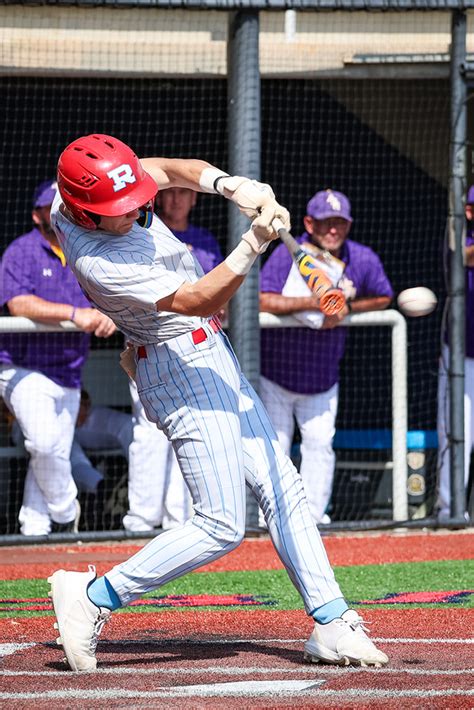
(79, 621)
(342, 642)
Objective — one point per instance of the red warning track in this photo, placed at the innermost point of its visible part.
(253, 554)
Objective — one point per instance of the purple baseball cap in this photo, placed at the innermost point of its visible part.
(45, 193)
(470, 196)
(329, 203)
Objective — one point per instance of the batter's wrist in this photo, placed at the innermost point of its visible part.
(241, 259)
(210, 178)
(72, 317)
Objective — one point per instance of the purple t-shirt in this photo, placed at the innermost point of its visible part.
(469, 286)
(204, 246)
(30, 267)
(470, 300)
(283, 350)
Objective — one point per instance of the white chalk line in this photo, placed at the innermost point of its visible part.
(246, 670)
(244, 689)
(221, 641)
(7, 649)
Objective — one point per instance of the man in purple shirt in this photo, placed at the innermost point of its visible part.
(157, 492)
(309, 392)
(444, 492)
(174, 206)
(40, 374)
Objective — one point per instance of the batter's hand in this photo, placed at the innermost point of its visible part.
(257, 201)
(90, 320)
(258, 238)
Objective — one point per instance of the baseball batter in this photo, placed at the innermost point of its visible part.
(190, 383)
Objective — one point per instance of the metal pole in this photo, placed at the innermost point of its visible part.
(399, 417)
(243, 78)
(243, 96)
(457, 192)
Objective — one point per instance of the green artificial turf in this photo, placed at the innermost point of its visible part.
(364, 582)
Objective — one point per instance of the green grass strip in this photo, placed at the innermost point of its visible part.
(364, 582)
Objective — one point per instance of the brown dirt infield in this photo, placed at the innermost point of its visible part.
(250, 659)
(184, 661)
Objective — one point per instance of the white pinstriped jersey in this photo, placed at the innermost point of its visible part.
(125, 275)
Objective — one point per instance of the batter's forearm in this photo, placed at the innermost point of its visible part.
(176, 172)
(39, 309)
(204, 297)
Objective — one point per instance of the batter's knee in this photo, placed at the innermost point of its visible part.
(228, 534)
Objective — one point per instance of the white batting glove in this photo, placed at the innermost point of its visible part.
(250, 196)
(257, 201)
(258, 238)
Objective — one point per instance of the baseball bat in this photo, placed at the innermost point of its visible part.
(331, 300)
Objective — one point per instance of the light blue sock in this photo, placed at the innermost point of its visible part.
(101, 593)
(330, 611)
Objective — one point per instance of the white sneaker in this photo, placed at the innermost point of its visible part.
(325, 520)
(343, 641)
(79, 621)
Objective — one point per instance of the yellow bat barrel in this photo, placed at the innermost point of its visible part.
(331, 300)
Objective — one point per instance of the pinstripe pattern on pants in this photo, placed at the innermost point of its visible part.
(224, 440)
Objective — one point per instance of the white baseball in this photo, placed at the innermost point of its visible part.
(418, 301)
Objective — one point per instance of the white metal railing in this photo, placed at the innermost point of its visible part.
(390, 318)
(397, 323)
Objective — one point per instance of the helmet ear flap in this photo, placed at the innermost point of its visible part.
(94, 217)
(84, 218)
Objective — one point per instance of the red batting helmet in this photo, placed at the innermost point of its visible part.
(98, 174)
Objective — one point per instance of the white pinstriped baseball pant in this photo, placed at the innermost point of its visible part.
(157, 493)
(46, 413)
(223, 439)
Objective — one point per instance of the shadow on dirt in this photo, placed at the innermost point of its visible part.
(151, 653)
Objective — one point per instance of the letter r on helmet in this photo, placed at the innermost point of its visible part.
(121, 176)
